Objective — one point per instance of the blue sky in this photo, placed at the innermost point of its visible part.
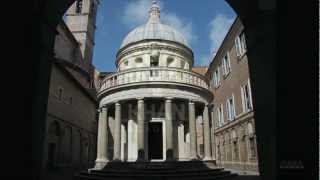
(204, 23)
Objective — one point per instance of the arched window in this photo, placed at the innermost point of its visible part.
(78, 6)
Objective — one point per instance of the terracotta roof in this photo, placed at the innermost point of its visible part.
(200, 70)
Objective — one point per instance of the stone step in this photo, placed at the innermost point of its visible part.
(152, 173)
(199, 177)
(156, 171)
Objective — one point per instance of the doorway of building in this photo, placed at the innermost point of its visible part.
(155, 146)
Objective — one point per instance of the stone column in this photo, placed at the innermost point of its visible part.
(206, 132)
(181, 142)
(117, 133)
(102, 141)
(192, 129)
(141, 150)
(169, 132)
(213, 138)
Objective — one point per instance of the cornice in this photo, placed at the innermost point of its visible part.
(124, 52)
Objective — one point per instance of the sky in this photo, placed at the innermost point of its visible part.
(204, 23)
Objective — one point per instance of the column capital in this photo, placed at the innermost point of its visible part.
(191, 101)
(117, 103)
(140, 98)
(168, 99)
(104, 107)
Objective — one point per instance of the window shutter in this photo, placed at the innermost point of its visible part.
(218, 77)
(237, 44)
(223, 66)
(229, 65)
(228, 109)
(243, 43)
(222, 118)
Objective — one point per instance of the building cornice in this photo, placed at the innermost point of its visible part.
(185, 51)
(239, 120)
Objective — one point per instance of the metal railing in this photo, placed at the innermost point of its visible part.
(154, 74)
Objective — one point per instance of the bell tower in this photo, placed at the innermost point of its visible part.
(81, 20)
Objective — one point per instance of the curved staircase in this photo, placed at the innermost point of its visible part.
(182, 170)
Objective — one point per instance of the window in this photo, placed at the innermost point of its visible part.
(169, 61)
(216, 78)
(240, 44)
(92, 8)
(126, 63)
(226, 64)
(182, 64)
(220, 116)
(230, 109)
(154, 62)
(78, 6)
(246, 97)
(138, 60)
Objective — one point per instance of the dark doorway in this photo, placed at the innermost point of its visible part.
(155, 141)
(51, 155)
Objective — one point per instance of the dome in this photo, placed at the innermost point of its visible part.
(155, 30)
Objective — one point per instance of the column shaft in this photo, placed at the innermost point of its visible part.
(169, 132)
(213, 138)
(192, 129)
(117, 133)
(102, 141)
(141, 150)
(206, 129)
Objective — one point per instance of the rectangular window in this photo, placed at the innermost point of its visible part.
(246, 97)
(240, 44)
(226, 64)
(78, 6)
(220, 116)
(230, 109)
(216, 78)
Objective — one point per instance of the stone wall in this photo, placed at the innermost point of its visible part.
(71, 123)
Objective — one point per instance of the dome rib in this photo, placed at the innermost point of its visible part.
(154, 31)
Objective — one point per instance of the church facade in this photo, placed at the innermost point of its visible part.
(150, 107)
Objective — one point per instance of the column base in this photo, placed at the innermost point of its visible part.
(116, 160)
(100, 164)
(207, 158)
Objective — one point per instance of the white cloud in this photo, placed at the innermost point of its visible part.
(219, 26)
(181, 25)
(137, 13)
